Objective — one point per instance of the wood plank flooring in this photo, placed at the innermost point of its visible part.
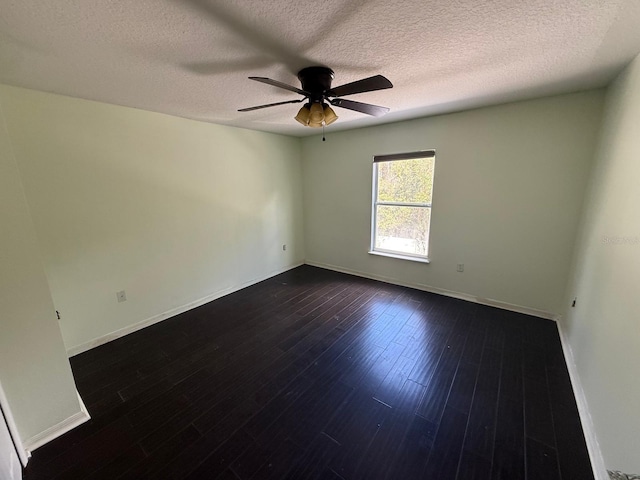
(314, 374)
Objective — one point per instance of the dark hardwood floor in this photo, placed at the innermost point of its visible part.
(316, 374)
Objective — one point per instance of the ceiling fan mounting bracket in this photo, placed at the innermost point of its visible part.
(316, 81)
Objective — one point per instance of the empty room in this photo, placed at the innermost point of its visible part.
(320, 240)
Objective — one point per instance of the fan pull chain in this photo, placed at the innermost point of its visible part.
(323, 139)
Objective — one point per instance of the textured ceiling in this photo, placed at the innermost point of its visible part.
(191, 58)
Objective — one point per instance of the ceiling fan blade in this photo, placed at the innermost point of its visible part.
(269, 105)
(367, 108)
(377, 82)
(275, 83)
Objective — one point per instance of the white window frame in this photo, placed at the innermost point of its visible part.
(375, 203)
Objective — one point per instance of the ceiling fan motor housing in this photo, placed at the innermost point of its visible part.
(316, 81)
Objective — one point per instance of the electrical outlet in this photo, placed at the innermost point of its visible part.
(460, 267)
(284, 247)
(121, 296)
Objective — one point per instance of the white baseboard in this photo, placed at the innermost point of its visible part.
(96, 342)
(58, 429)
(441, 291)
(595, 454)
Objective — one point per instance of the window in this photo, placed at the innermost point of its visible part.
(401, 214)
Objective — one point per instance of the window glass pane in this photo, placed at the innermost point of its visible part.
(403, 229)
(406, 181)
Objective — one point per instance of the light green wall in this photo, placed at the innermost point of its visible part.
(170, 210)
(509, 183)
(603, 330)
(34, 369)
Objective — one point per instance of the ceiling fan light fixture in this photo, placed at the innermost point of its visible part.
(329, 115)
(303, 115)
(316, 117)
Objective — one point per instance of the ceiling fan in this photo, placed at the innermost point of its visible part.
(316, 89)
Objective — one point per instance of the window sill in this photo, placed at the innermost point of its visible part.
(400, 256)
